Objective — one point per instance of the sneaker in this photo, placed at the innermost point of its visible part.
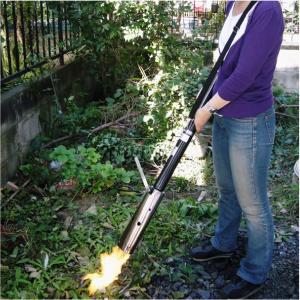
(208, 252)
(240, 289)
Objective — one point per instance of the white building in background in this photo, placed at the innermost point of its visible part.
(288, 4)
(198, 8)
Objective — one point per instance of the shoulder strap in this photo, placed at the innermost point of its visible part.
(203, 94)
(235, 30)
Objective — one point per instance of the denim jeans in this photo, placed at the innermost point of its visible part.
(241, 156)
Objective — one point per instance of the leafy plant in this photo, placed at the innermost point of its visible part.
(168, 96)
(83, 165)
(120, 150)
(286, 201)
(292, 19)
(285, 151)
(77, 118)
(112, 31)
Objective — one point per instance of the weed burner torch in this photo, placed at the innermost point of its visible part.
(152, 199)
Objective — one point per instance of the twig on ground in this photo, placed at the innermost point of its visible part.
(154, 165)
(17, 191)
(12, 186)
(290, 105)
(150, 258)
(285, 115)
(39, 190)
(113, 122)
(143, 292)
(125, 287)
(66, 137)
(76, 194)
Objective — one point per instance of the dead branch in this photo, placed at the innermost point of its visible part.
(285, 115)
(290, 105)
(17, 191)
(39, 190)
(66, 137)
(113, 122)
(101, 127)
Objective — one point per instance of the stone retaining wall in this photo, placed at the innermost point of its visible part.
(27, 110)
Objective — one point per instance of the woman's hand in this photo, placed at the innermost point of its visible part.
(203, 114)
(201, 118)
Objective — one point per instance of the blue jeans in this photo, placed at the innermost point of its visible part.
(241, 156)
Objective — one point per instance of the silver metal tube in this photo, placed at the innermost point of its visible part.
(140, 221)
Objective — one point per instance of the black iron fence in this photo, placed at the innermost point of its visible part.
(199, 15)
(32, 33)
(35, 32)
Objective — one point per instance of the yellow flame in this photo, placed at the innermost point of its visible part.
(111, 265)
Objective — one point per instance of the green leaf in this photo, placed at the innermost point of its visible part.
(15, 252)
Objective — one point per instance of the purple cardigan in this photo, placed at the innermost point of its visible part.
(246, 75)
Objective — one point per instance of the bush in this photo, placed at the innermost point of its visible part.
(83, 165)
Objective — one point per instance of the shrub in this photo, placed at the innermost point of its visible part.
(83, 165)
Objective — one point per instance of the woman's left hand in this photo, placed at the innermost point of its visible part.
(201, 118)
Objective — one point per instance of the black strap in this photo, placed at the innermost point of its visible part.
(208, 85)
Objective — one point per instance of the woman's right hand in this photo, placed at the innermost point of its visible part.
(201, 118)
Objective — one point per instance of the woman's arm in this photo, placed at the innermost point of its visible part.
(203, 114)
(265, 33)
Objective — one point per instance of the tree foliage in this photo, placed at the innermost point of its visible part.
(113, 31)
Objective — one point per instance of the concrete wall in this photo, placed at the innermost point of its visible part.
(287, 69)
(27, 110)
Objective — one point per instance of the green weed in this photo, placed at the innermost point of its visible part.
(83, 165)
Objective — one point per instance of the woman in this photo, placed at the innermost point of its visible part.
(243, 135)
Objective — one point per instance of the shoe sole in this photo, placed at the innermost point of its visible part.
(214, 257)
(253, 292)
(246, 296)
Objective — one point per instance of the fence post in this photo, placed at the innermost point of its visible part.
(60, 36)
(53, 31)
(194, 15)
(16, 46)
(30, 31)
(7, 37)
(48, 29)
(42, 28)
(66, 24)
(23, 33)
(36, 30)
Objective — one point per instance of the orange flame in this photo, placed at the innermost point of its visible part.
(111, 265)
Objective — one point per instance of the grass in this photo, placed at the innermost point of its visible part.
(43, 258)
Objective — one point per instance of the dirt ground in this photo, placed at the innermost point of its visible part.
(283, 282)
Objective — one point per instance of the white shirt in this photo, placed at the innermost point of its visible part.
(228, 26)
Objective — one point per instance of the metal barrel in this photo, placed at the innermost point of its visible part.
(140, 221)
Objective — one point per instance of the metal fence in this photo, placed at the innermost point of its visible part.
(291, 29)
(198, 16)
(32, 33)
